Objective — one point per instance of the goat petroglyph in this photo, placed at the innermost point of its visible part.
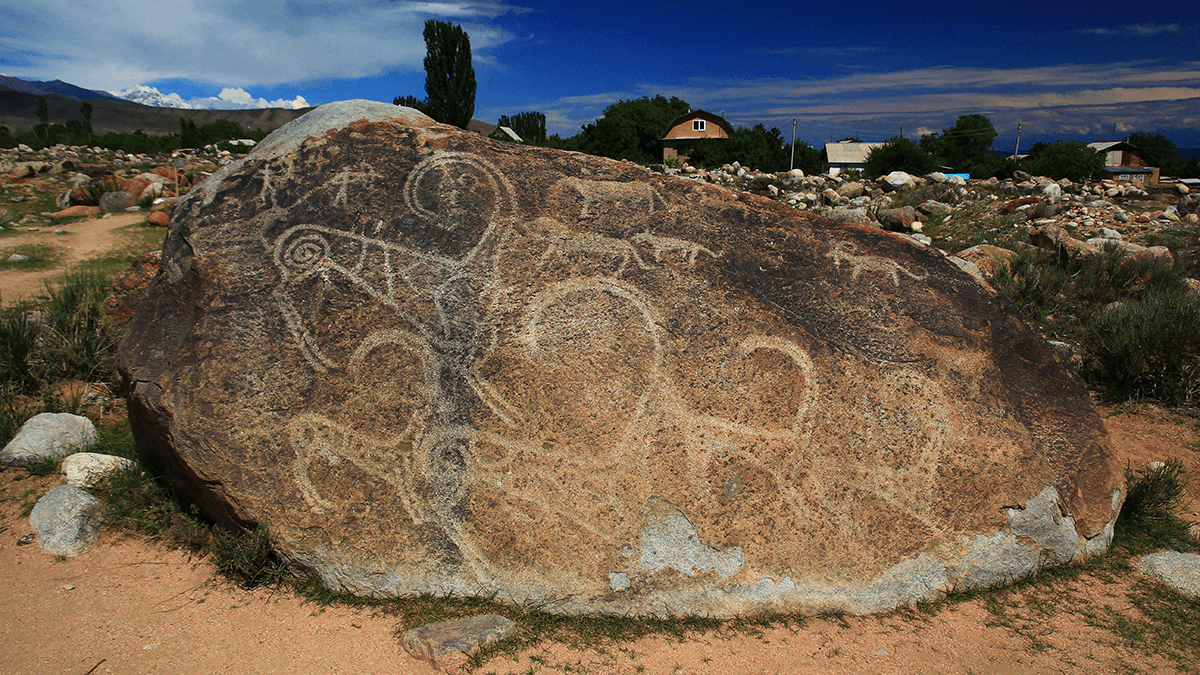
(844, 252)
(431, 362)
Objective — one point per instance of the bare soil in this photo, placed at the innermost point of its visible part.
(131, 606)
(84, 240)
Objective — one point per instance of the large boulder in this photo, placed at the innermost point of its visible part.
(430, 361)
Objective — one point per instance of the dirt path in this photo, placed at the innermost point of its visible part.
(84, 240)
(133, 607)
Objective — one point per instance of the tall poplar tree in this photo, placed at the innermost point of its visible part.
(449, 76)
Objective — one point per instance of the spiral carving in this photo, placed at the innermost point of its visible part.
(306, 251)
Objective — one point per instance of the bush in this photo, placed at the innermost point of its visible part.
(1147, 349)
(899, 154)
(1074, 161)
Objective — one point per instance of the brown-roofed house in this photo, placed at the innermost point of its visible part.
(686, 129)
(1125, 162)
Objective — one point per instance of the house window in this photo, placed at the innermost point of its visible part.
(697, 125)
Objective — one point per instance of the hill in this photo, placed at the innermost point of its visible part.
(18, 112)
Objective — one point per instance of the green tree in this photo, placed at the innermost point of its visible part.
(43, 113)
(632, 129)
(808, 159)
(754, 147)
(413, 102)
(530, 126)
(1073, 160)
(966, 147)
(86, 109)
(899, 154)
(1159, 147)
(449, 76)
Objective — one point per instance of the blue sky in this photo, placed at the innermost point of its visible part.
(869, 69)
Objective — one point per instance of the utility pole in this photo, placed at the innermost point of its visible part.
(1017, 150)
(1113, 137)
(792, 163)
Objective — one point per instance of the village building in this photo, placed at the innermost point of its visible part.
(1127, 163)
(687, 129)
(847, 156)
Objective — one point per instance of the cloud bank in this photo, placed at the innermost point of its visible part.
(123, 43)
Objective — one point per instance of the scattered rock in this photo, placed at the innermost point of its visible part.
(448, 645)
(67, 520)
(899, 180)
(1016, 204)
(988, 259)
(402, 344)
(159, 219)
(897, 219)
(111, 202)
(86, 469)
(48, 436)
(1055, 238)
(1180, 571)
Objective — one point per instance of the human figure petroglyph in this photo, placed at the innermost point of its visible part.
(437, 298)
(844, 252)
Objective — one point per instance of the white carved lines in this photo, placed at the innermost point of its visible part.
(844, 252)
(459, 176)
(600, 195)
(661, 245)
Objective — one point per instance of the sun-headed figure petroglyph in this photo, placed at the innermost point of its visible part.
(577, 441)
(845, 252)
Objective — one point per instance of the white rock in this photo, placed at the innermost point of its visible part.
(67, 520)
(1180, 571)
(48, 435)
(899, 179)
(86, 469)
(1109, 233)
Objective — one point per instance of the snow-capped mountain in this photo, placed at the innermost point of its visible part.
(153, 97)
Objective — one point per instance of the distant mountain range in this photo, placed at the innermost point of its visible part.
(19, 101)
(54, 87)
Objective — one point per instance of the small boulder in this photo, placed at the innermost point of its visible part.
(75, 211)
(159, 219)
(112, 202)
(898, 219)
(86, 469)
(900, 180)
(67, 520)
(1015, 204)
(448, 645)
(1180, 571)
(988, 259)
(843, 214)
(46, 436)
(1021, 177)
(851, 190)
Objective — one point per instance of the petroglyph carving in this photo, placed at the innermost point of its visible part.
(598, 248)
(437, 296)
(596, 197)
(844, 252)
(662, 245)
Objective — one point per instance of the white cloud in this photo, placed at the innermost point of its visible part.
(237, 98)
(1137, 29)
(115, 44)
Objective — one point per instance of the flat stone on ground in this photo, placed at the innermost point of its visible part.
(449, 644)
(48, 436)
(1180, 571)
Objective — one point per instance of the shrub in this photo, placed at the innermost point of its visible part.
(1146, 349)
(1073, 160)
(899, 154)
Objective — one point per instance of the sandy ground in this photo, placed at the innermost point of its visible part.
(84, 240)
(128, 606)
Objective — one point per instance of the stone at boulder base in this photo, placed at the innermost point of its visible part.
(448, 645)
(66, 520)
(86, 469)
(1180, 571)
(48, 436)
(433, 362)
